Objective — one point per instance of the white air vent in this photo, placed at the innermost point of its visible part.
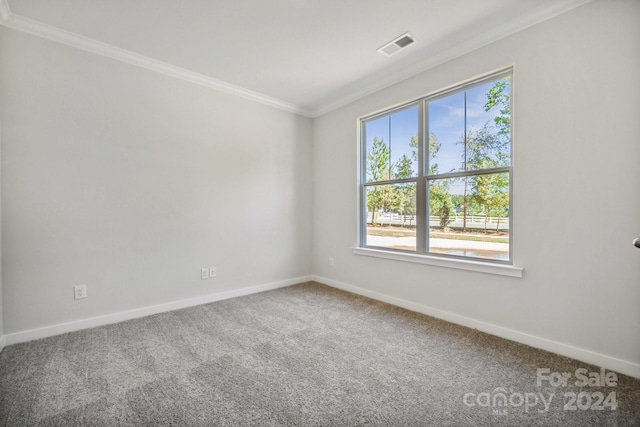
(397, 44)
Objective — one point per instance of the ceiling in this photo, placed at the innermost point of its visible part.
(304, 56)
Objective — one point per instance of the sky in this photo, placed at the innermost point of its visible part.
(446, 119)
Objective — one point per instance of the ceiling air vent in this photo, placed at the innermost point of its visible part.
(397, 44)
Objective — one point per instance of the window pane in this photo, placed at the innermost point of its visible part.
(391, 216)
(470, 216)
(489, 125)
(377, 146)
(471, 130)
(392, 146)
(464, 159)
(446, 134)
(404, 144)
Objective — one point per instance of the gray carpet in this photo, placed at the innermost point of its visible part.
(306, 355)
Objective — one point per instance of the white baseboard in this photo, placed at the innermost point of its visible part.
(3, 342)
(92, 322)
(621, 366)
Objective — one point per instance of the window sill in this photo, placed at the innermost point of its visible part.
(460, 264)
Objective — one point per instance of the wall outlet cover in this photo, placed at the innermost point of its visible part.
(80, 292)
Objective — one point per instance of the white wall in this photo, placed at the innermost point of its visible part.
(2, 339)
(576, 196)
(130, 181)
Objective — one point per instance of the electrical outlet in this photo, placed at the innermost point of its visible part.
(331, 262)
(80, 292)
(208, 273)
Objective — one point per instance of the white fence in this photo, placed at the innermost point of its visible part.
(475, 221)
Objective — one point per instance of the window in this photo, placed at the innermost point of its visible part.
(436, 174)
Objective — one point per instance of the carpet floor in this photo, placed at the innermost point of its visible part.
(306, 355)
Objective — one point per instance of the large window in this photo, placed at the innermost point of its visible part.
(436, 174)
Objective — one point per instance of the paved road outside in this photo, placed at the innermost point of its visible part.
(489, 250)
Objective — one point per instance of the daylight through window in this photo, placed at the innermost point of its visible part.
(436, 174)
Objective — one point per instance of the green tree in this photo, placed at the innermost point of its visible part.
(405, 197)
(404, 167)
(491, 192)
(378, 161)
(378, 197)
(405, 194)
(499, 95)
(458, 202)
(488, 148)
(440, 203)
(434, 147)
(413, 143)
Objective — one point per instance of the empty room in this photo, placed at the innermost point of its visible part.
(320, 213)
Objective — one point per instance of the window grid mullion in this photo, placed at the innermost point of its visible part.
(423, 180)
(422, 227)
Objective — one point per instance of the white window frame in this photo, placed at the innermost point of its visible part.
(421, 255)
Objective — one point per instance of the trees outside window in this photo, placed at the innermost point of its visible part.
(437, 173)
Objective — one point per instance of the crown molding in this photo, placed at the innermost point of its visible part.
(21, 23)
(438, 58)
